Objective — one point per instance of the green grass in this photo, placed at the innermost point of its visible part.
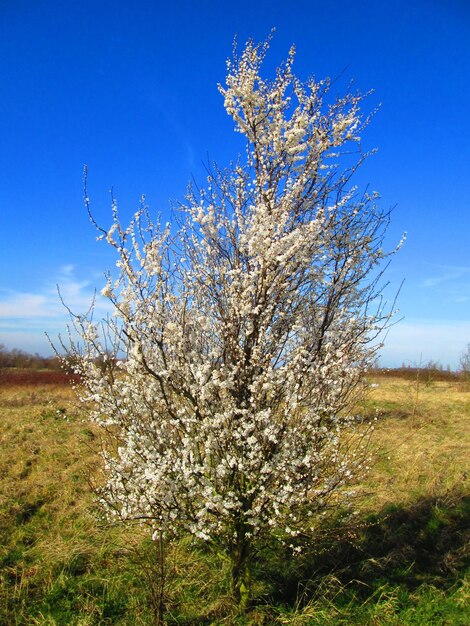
(404, 560)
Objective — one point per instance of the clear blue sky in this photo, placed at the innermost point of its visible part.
(130, 88)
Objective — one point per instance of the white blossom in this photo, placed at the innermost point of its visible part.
(245, 334)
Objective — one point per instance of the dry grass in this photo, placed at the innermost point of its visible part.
(422, 440)
(40, 480)
(59, 564)
(50, 536)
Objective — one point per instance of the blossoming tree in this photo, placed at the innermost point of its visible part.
(246, 329)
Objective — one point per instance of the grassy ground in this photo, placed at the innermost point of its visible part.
(404, 561)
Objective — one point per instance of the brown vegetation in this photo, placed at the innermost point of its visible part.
(13, 377)
(427, 373)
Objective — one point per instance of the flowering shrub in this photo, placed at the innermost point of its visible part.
(246, 332)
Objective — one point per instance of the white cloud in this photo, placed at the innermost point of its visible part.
(445, 274)
(31, 341)
(26, 316)
(25, 305)
(414, 341)
(49, 301)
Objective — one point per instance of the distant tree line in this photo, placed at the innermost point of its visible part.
(21, 359)
(24, 360)
(426, 372)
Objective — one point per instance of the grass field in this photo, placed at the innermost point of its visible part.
(404, 560)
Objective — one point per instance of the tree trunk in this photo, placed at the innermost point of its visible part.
(240, 557)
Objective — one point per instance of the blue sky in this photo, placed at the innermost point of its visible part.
(130, 88)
